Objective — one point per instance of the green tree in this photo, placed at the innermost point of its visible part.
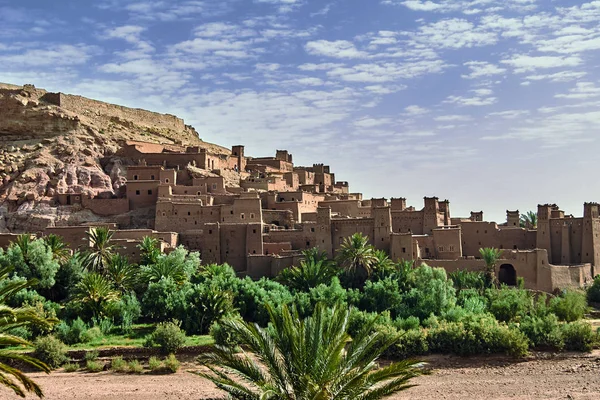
(101, 249)
(121, 273)
(58, 248)
(356, 254)
(529, 220)
(32, 259)
(179, 265)
(315, 269)
(11, 318)
(150, 250)
(491, 256)
(95, 291)
(314, 358)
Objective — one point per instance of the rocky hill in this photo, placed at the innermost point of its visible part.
(57, 143)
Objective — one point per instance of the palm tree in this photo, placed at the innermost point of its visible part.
(95, 291)
(314, 269)
(11, 318)
(529, 220)
(122, 274)
(313, 358)
(23, 242)
(59, 248)
(356, 254)
(150, 251)
(490, 257)
(101, 250)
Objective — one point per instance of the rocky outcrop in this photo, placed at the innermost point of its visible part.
(54, 143)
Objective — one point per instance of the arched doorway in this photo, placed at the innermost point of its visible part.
(507, 275)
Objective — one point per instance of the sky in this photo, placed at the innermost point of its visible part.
(492, 104)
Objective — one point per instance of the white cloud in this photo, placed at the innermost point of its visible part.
(334, 49)
(525, 63)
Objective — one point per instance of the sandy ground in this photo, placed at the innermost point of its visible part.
(540, 377)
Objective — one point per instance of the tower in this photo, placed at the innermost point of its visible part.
(382, 227)
(513, 219)
(238, 152)
(323, 236)
(543, 240)
(590, 245)
(430, 215)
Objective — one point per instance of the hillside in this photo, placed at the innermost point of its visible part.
(56, 143)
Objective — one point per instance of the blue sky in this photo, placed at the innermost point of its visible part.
(493, 104)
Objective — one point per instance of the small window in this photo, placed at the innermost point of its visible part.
(210, 231)
(214, 186)
(231, 212)
(151, 177)
(135, 177)
(441, 248)
(164, 214)
(312, 229)
(149, 192)
(242, 216)
(137, 192)
(515, 247)
(404, 249)
(167, 180)
(189, 213)
(427, 250)
(307, 244)
(252, 215)
(253, 230)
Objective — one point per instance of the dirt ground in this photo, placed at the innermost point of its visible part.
(542, 376)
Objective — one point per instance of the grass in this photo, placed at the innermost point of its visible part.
(135, 367)
(94, 366)
(136, 339)
(119, 365)
(71, 367)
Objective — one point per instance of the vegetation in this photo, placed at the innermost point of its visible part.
(118, 364)
(529, 220)
(310, 358)
(99, 298)
(94, 366)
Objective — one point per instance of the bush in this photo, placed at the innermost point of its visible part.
(407, 323)
(118, 364)
(251, 297)
(509, 304)
(72, 333)
(171, 363)
(578, 336)
(168, 336)
(477, 334)
(359, 319)
(593, 292)
(465, 280)
(71, 367)
(164, 299)
(135, 367)
(105, 325)
(205, 304)
(36, 263)
(412, 342)
(381, 295)
(51, 351)
(543, 332)
(91, 355)
(125, 312)
(94, 366)
(222, 336)
(92, 334)
(570, 306)
(155, 364)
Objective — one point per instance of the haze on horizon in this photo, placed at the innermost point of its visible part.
(492, 104)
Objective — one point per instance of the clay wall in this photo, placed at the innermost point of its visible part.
(305, 177)
(143, 173)
(300, 239)
(142, 194)
(309, 217)
(276, 248)
(181, 217)
(348, 208)
(243, 210)
(447, 243)
(76, 237)
(6, 239)
(401, 247)
(168, 177)
(84, 106)
(233, 245)
(212, 184)
(343, 228)
(284, 218)
(407, 222)
(106, 207)
(477, 235)
(279, 165)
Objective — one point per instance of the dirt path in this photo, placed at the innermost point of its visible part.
(541, 377)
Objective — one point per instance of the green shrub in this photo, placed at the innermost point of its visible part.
(477, 334)
(92, 334)
(51, 351)
(171, 363)
(508, 304)
(222, 336)
(578, 336)
(164, 299)
(543, 331)
(91, 355)
(569, 306)
(106, 325)
(125, 312)
(205, 304)
(168, 336)
(593, 292)
(412, 342)
(466, 280)
(155, 364)
(72, 333)
(407, 324)
(32, 259)
(118, 364)
(135, 367)
(71, 367)
(359, 319)
(251, 297)
(94, 366)
(381, 295)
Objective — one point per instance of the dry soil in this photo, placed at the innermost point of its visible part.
(542, 376)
